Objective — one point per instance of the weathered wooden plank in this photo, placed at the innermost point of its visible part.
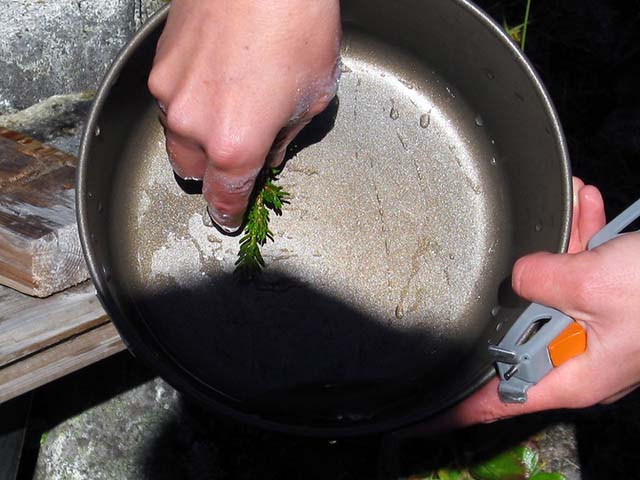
(24, 158)
(28, 324)
(59, 360)
(40, 251)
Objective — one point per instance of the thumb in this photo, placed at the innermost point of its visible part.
(546, 278)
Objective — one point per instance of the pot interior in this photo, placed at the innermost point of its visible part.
(411, 196)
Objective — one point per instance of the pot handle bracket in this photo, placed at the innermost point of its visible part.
(543, 338)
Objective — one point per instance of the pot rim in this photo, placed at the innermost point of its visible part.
(170, 373)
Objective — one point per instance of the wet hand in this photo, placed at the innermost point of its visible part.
(235, 82)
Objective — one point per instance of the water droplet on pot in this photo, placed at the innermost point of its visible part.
(490, 75)
(406, 83)
(493, 160)
(538, 227)
(479, 121)
(399, 312)
(393, 113)
(96, 132)
(498, 326)
(450, 92)
(100, 207)
(495, 310)
(425, 120)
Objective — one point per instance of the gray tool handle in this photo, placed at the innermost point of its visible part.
(612, 229)
(522, 357)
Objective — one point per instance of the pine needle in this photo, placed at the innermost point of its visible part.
(256, 232)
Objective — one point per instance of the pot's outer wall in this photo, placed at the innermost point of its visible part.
(485, 69)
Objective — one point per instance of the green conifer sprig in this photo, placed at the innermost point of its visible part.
(256, 232)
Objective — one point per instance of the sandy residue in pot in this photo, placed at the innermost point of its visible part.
(388, 232)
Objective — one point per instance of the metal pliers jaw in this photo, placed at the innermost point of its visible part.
(542, 337)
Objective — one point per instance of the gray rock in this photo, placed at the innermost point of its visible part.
(151, 433)
(558, 450)
(108, 441)
(57, 120)
(61, 46)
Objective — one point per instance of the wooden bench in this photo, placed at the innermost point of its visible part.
(43, 339)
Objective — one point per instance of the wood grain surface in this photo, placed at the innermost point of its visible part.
(59, 360)
(28, 325)
(42, 339)
(40, 251)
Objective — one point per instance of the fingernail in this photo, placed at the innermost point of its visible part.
(516, 277)
(225, 221)
(576, 196)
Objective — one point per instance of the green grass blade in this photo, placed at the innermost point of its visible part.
(525, 24)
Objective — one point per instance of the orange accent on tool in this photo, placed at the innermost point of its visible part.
(570, 343)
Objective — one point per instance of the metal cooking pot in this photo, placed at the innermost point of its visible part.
(440, 163)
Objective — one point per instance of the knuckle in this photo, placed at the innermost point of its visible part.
(238, 186)
(180, 121)
(157, 83)
(228, 152)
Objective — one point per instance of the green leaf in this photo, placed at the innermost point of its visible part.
(518, 463)
(446, 474)
(443, 474)
(548, 476)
